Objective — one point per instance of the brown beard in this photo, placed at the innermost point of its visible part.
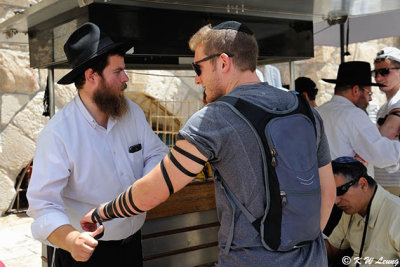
(112, 105)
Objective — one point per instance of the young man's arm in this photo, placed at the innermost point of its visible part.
(328, 193)
(391, 127)
(151, 190)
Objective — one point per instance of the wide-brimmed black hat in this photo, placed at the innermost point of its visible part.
(83, 47)
(354, 73)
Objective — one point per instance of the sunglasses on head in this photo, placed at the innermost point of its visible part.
(341, 190)
(383, 71)
(196, 66)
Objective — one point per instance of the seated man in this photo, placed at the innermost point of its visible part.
(364, 203)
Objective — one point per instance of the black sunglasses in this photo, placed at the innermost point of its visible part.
(196, 66)
(341, 190)
(382, 72)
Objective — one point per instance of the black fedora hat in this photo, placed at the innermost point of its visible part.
(354, 73)
(84, 45)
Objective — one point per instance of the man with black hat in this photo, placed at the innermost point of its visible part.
(93, 148)
(349, 130)
(308, 88)
(225, 64)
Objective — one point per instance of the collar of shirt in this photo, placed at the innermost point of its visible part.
(342, 99)
(82, 108)
(376, 206)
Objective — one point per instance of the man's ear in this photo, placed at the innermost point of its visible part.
(363, 183)
(90, 76)
(226, 62)
(306, 95)
(355, 90)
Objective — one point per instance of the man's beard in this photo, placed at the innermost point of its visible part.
(110, 104)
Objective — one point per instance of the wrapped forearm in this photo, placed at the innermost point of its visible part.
(121, 207)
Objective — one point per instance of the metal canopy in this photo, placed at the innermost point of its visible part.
(315, 10)
(284, 27)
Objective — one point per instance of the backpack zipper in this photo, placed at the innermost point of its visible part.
(273, 157)
(283, 198)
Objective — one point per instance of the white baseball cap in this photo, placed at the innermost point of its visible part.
(392, 53)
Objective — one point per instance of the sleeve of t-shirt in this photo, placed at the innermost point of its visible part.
(323, 151)
(204, 131)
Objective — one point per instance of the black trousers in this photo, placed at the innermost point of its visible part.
(126, 252)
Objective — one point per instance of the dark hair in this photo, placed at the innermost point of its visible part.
(304, 84)
(98, 66)
(352, 171)
(343, 88)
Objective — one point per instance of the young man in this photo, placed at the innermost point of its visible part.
(308, 88)
(93, 148)
(225, 63)
(370, 225)
(387, 72)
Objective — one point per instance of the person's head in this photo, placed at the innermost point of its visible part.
(354, 187)
(387, 68)
(360, 95)
(220, 50)
(97, 63)
(354, 82)
(307, 87)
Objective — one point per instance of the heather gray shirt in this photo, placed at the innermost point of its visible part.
(230, 146)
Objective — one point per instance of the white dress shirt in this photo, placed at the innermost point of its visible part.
(79, 164)
(383, 177)
(350, 131)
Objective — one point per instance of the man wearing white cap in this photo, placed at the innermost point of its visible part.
(387, 72)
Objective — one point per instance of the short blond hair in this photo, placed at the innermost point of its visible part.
(388, 60)
(242, 45)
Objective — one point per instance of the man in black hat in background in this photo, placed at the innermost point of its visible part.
(96, 146)
(349, 130)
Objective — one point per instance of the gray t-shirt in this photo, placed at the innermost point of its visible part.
(231, 148)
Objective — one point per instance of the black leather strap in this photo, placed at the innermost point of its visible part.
(190, 156)
(166, 178)
(180, 167)
(131, 201)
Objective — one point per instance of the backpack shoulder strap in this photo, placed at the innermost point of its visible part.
(256, 115)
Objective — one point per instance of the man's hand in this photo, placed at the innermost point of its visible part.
(83, 244)
(86, 222)
(80, 245)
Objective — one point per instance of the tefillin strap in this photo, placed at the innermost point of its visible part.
(111, 209)
(190, 156)
(166, 178)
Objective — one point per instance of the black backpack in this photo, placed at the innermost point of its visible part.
(288, 144)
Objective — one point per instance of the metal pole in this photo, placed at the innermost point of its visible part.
(341, 42)
(291, 72)
(50, 82)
